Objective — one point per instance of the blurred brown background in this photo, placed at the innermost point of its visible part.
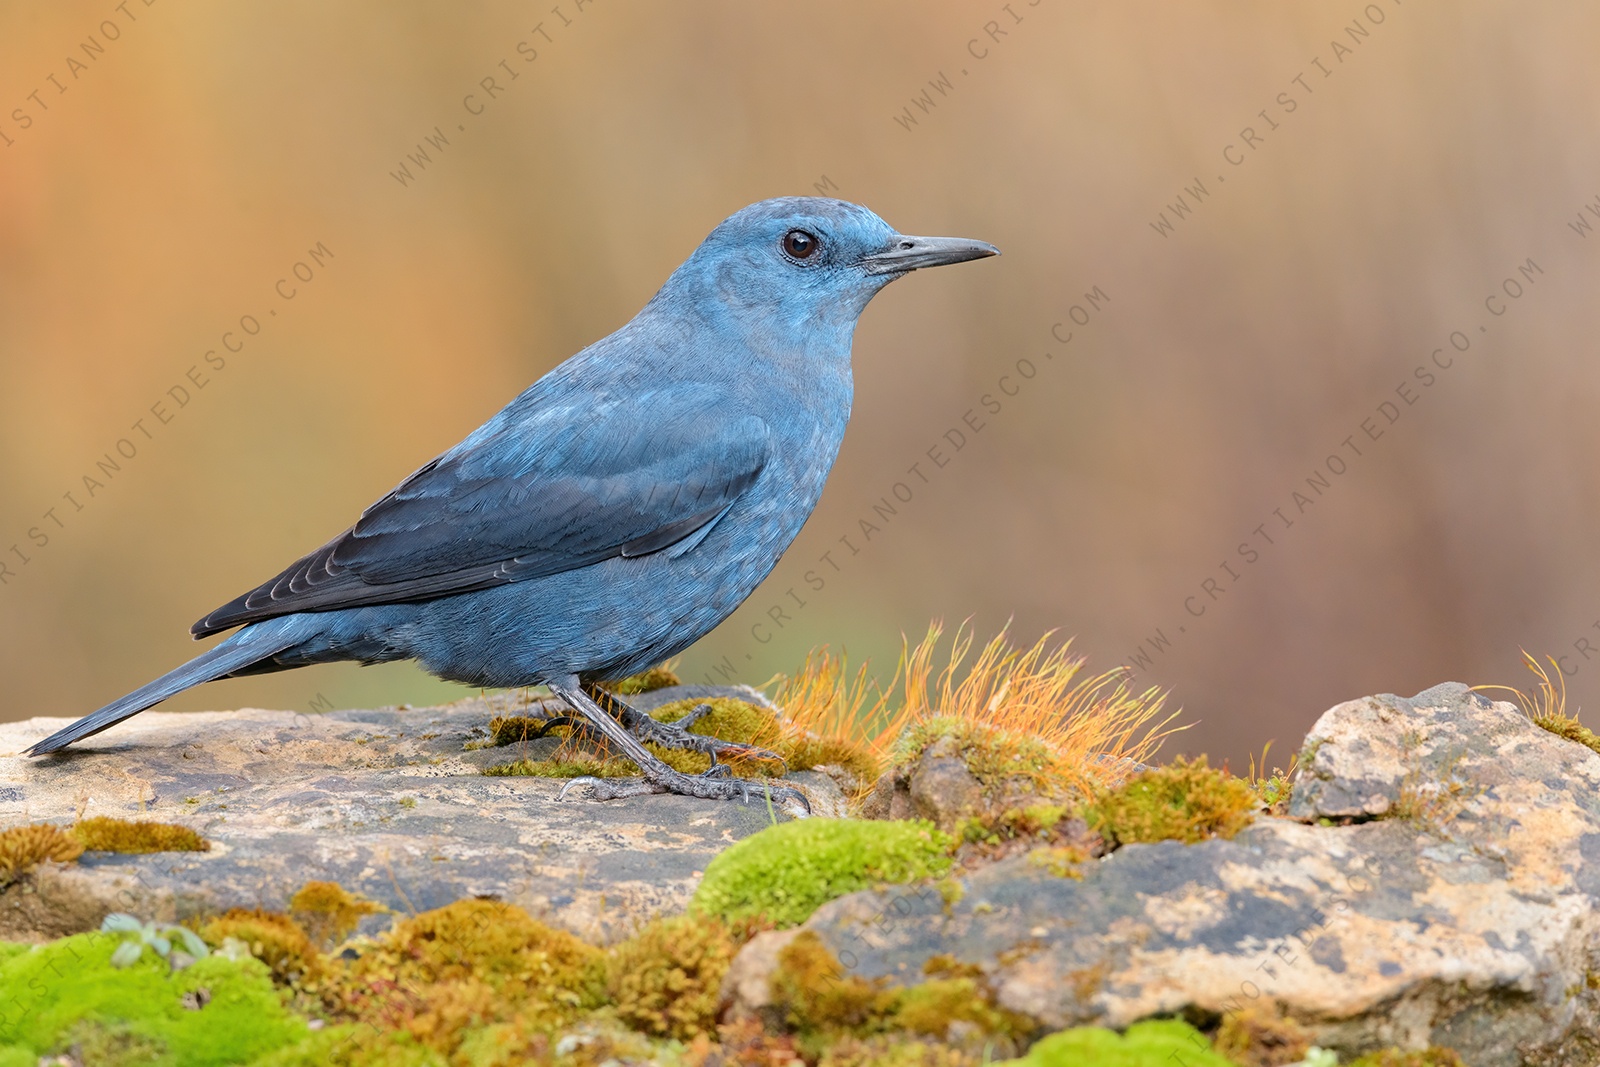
(209, 148)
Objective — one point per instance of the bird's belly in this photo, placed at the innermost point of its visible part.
(615, 617)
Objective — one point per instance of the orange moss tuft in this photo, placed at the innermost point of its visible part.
(470, 964)
(274, 939)
(24, 847)
(666, 980)
(1092, 730)
(1184, 801)
(328, 913)
(106, 834)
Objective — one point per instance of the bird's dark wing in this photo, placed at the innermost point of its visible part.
(527, 495)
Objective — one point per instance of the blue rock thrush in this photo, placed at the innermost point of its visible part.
(616, 511)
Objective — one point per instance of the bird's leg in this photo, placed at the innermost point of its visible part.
(676, 734)
(715, 784)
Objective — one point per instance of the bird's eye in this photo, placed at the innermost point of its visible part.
(800, 244)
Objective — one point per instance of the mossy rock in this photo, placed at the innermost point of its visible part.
(832, 1012)
(787, 871)
(730, 719)
(1003, 762)
(1155, 1043)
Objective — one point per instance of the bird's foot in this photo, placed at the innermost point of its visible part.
(676, 735)
(718, 783)
(672, 735)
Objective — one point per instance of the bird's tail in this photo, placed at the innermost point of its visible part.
(250, 645)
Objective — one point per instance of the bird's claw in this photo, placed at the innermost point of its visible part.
(715, 784)
(612, 788)
(676, 735)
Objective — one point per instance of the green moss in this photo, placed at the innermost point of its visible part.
(1432, 1056)
(1154, 1043)
(1183, 801)
(658, 677)
(787, 871)
(666, 980)
(1063, 861)
(106, 834)
(513, 729)
(68, 993)
(1037, 820)
(818, 997)
(728, 720)
(23, 848)
(328, 913)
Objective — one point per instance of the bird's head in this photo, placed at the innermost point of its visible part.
(804, 263)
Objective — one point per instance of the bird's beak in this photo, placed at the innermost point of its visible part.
(911, 253)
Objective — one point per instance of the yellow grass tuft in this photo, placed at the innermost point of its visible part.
(828, 716)
(1094, 728)
(1547, 707)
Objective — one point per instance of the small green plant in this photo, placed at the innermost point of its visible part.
(147, 936)
(787, 871)
(1274, 788)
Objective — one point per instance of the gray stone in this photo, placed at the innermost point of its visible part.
(1441, 885)
(390, 803)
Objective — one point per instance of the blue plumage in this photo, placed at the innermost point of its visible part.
(618, 509)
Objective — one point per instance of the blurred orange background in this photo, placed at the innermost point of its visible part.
(1259, 265)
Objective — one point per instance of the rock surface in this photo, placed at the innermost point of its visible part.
(1438, 882)
(389, 803)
